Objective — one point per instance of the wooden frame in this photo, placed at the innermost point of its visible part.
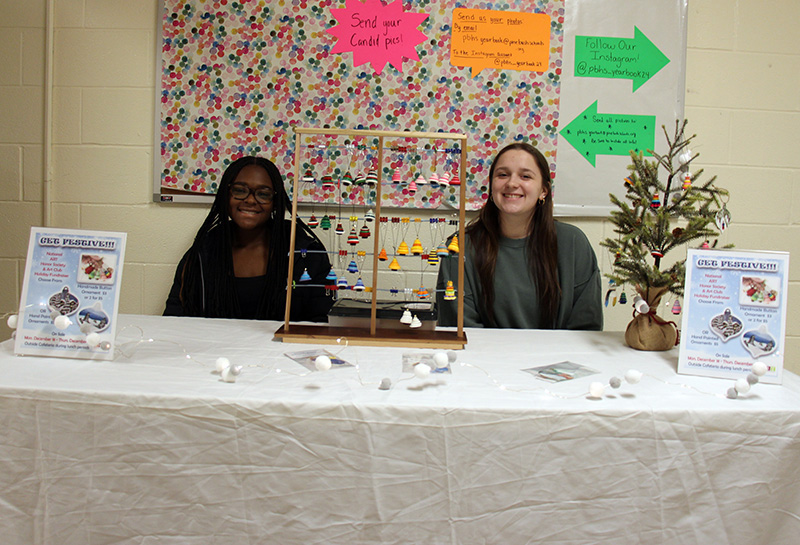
(374, 336)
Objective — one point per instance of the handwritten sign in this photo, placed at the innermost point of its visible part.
(376, 33)
(500, 39)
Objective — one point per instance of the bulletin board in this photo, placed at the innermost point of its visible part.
(234, 78)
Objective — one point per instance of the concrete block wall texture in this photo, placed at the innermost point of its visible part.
(743, 72)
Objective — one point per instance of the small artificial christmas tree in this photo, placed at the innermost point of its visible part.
(648, 228)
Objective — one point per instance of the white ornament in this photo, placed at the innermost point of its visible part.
(422, 370)
(596, 389)
(415, 323)
(640, 305)
(633, 376)
(228, 375)
(221, 364)
(12, 321)
(62, 322)
(441, 360)
(322, 363)
(742, 386)
(406, 317)
(759, 368)
(93, 339)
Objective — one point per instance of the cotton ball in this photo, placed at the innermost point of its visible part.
(451, 355)
(105, 345)
(54, 314)
(222, 364)
(615, 382)
(441, 360)
(633, 376)
(752, 378)
(640, 305)
(228, 375)
(62, 322)
(385, 384)
(742, 386)
(322, 363)
(236, 370)
(596, 389)
(12, 321)
(93, 339)
(759, 368)
(732, 393)
(422, 370)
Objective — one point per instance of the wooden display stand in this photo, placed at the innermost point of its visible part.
(374, 336)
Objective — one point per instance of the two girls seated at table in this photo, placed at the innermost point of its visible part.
(239, 261)
(522, 268)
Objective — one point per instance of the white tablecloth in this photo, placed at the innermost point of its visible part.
(153, 447)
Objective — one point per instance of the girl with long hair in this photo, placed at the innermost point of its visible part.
(238, 264)
(522, 268)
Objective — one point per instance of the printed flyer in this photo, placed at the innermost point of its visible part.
(734, 313)
(70, 294)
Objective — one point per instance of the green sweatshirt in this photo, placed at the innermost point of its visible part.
(516, 304)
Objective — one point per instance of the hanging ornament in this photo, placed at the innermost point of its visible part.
(382, 255)
(416, 247)
(342, 283)
(339, 229)
(359, 286)
(415, 323)
(433, 179)
(705, 245)
(396, 179)
(612, 289)
(656, 202)
(305, 277)
(422, 293)
(444, 180)
(394, 265)
(369, 216)
(623, 298)
(433, 259)
(360, 179)
(327, 183)
(617, 258)
(723, 217)
(454, 180)
(676, 307)
(347, 179)
(403, 248)
(325, 223)
(309, 177)
(441, 251)
(372, 177)
(449, 291)
(364, 233)
(352, 238)
(352, 267)
(657, 253)
(406, 317)
(330, 279)
(313, 221)
(412, 187)
(628, 181)
(453, 246)
(687, 181)
(420, 179)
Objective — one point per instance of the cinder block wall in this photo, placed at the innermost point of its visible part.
(743, 72)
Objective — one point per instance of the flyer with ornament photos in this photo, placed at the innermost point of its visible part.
(734, 313)
(70, 294)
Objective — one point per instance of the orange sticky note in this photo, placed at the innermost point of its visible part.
(506, 40)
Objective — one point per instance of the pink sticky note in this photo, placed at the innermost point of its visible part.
(376, 33)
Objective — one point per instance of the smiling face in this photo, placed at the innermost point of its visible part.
(517, 185)
(249, 214)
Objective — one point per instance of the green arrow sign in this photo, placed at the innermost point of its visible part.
(636, 59)
(594, 134)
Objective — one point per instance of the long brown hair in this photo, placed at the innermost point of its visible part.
(484, 233)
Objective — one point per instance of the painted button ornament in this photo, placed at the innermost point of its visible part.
(449, 291)
(412, 187)
(359, 285)
(676, 307)
(309, 177)
(360, 179)
(415, 323)
(444, 180)
(433, 259)
(370, 215)
(441, 251)
(352, 267)
(394, 265)
(403, 248)
(422, 293)
(416, 247)
(420, 179)
(455, 180)
(382, 255)
(339, 229)
(352, 238)
(687, 181)
(657, 253)
(433, 179)
(342, 283)
(347, 179)
(313, 221)
(623, 298)
(705, 245)
(305, 277)
(325, 223)
(453, 246)
(331, 278)
(396, 178)
(364, 232)
(406, 317)
(628, 181)
(327, 183)
(656, 202)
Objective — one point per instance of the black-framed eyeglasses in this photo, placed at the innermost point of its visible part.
(241, 191)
